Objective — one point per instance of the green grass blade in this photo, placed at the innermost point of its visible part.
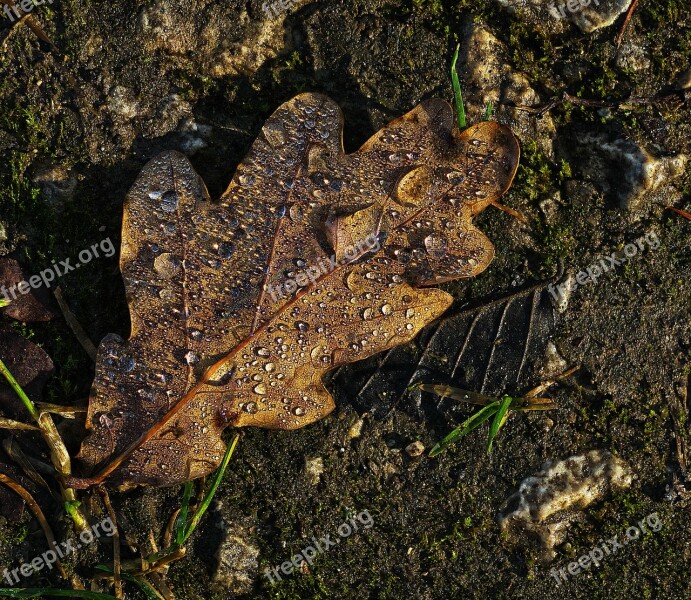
(457, 95)
(212, 490)
(4, 302)
(181, 521)
(52, 592)
(19, 391)
(488, 112)
(499, 419)
(466, 427)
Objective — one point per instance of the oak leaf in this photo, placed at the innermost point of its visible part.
(311, 259)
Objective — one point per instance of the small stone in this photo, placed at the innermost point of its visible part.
(314, 467)
(415, 449)
(355, 430)
(545, 503)
(238, 563)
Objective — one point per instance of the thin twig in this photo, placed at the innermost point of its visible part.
(628, 103)
(633, 6)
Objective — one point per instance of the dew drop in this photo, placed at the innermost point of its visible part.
(170, 201)
(167, 265)
(262, 351)
(298, 411)
(367, 313)
(269, 367)
(301, 326)
(166, 294)
(169, 228)
(226, 249)
(436, 246)
(386, 309)
(260, 388)
(250, 407)
(296, 213)
(191, 358)
(246, 179)
(275, 134)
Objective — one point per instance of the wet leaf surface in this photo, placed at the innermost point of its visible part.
(312, 259)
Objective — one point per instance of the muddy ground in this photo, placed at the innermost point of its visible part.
(125, 81)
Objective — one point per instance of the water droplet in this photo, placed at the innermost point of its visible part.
(269, 367)
(296, 213)
(250, 407)
(166, 294)
(260, 388)
(436, 246)
(169, 201)
(192, 358)
(409, 313)
(166, 265)
(367, 313)
(455, 177)
(275, 134)
(127, 363)
(301, 326)
(196, 335)
(408, 326)
(246, 179)
(261, 351)
(105, 420)
(394, 158)
(169, 228)
(298, 411)
(386, 309)
(226, 249)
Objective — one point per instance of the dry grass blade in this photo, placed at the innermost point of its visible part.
(75, 325)
(17, 455)
(117, 581)
(17, 425)
(38, 513)
(58, 452)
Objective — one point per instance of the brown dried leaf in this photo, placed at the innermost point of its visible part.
(30, 366)
(29, 307)
(217, 340)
